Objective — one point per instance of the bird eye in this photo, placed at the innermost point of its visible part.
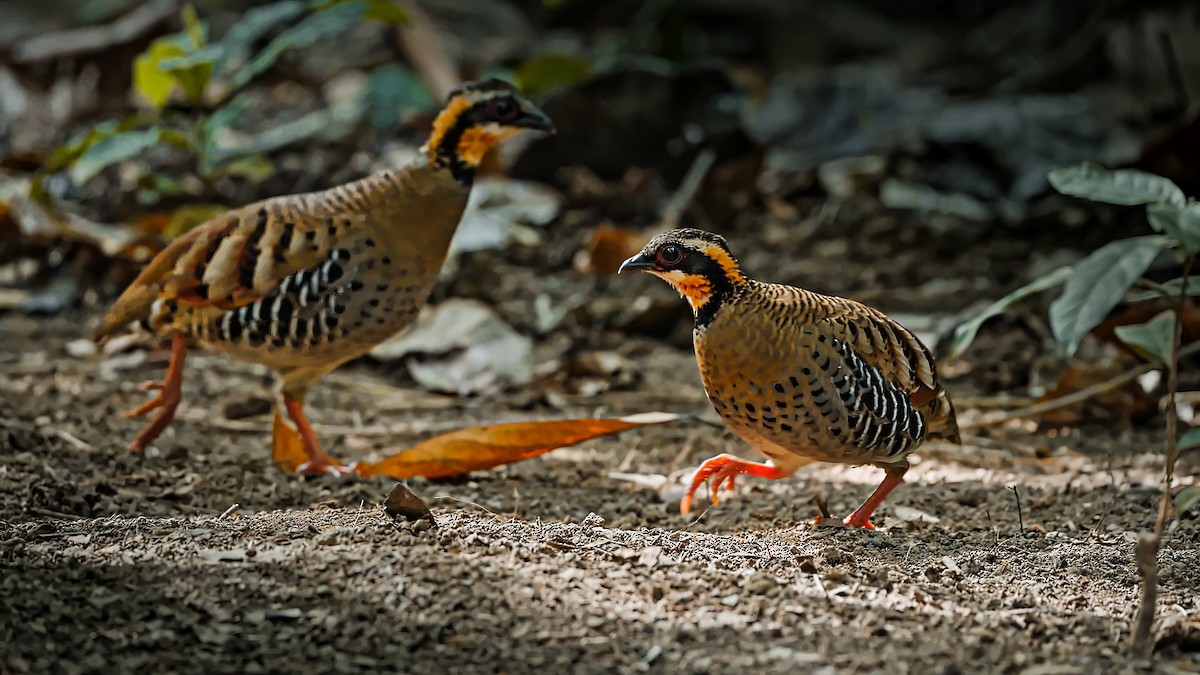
(670, 255)
(502, 109)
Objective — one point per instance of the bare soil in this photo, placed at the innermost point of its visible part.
(198, 556)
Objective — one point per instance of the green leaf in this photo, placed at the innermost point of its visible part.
(387, 11)
(1152, 340)
(1097, 285)
(1168, 289)
(545, 73)
(237, 41)
(196, 31)
(964, 333)
(149, 79)
(1189, 228)
(1189, 441)
(110, 150)
(393, 90)
(1186, 499)
(314, 28)
(1125, 187)
(254, 168)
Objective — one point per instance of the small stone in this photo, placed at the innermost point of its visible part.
(593, 520)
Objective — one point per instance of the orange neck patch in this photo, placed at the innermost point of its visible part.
(692, 287)
(474, 142)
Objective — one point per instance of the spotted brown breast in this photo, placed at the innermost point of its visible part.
(805, 377)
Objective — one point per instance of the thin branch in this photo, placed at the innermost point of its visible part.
(1149, 543)
(1079, 396)
(426, 51)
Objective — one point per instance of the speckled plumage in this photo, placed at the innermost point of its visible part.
(800, 376)
(304, 283)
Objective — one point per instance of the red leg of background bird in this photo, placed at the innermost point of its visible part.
(862, 516)
(167, 397)
(723, 469)
(318, 460)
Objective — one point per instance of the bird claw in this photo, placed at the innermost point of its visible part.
(853, 520)
(723, 469)
(159, 400)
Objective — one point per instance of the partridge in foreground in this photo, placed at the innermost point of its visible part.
(304, 283)
(801, 377)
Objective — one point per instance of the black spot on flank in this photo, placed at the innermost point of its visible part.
(255, 338)
(301, 328)
(331, 322)
(768, 420)
(381, 321)
(836, 431)
(373, 303)
(285, 311)
(386, 260)
(346, 222)
(172, 305)
(846, 396)
(750, 408)
(369, 242)
(381, 287)
(310, 235)
(752, 419)
(779, 387)
(780, 404)
(354, 286)
(852, 330)
(264, 310)
(339, 309)
(334, 273)
(820, 338)
(278, 341)
(201, 291)
(807, 371)
(794, 381)
(785, 427)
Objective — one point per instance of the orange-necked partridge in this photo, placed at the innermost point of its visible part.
(801, 377)
(303, 283)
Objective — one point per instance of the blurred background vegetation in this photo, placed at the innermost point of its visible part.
(893, 152)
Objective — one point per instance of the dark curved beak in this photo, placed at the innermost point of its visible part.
(535, 119)
(640, 261)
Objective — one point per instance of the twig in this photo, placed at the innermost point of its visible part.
(1020, 514)
(54, 514)
(1149, 542)
(425, 50)
(1146, 554)
(673, 210)
(76, 41)
(1079, 396)
(228, 511)
(995, 530)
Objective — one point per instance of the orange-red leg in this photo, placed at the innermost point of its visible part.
(167, 397)
(862, 516)
(724, 469)
(318, 460)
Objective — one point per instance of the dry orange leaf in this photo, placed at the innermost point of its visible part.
(479, 448)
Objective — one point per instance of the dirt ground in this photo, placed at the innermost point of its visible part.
(198, 556)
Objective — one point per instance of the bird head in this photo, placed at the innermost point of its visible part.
(696, 263)
(477, 116)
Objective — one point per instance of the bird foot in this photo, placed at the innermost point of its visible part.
(723, 470)
(856, 520)
(159, 400)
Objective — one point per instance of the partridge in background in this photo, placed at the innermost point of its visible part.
(801, 377)
(304, 283)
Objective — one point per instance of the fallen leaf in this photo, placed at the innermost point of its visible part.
(401, 502)
(608, 247)
(497, 210)
(461, 347)
(479, 448)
